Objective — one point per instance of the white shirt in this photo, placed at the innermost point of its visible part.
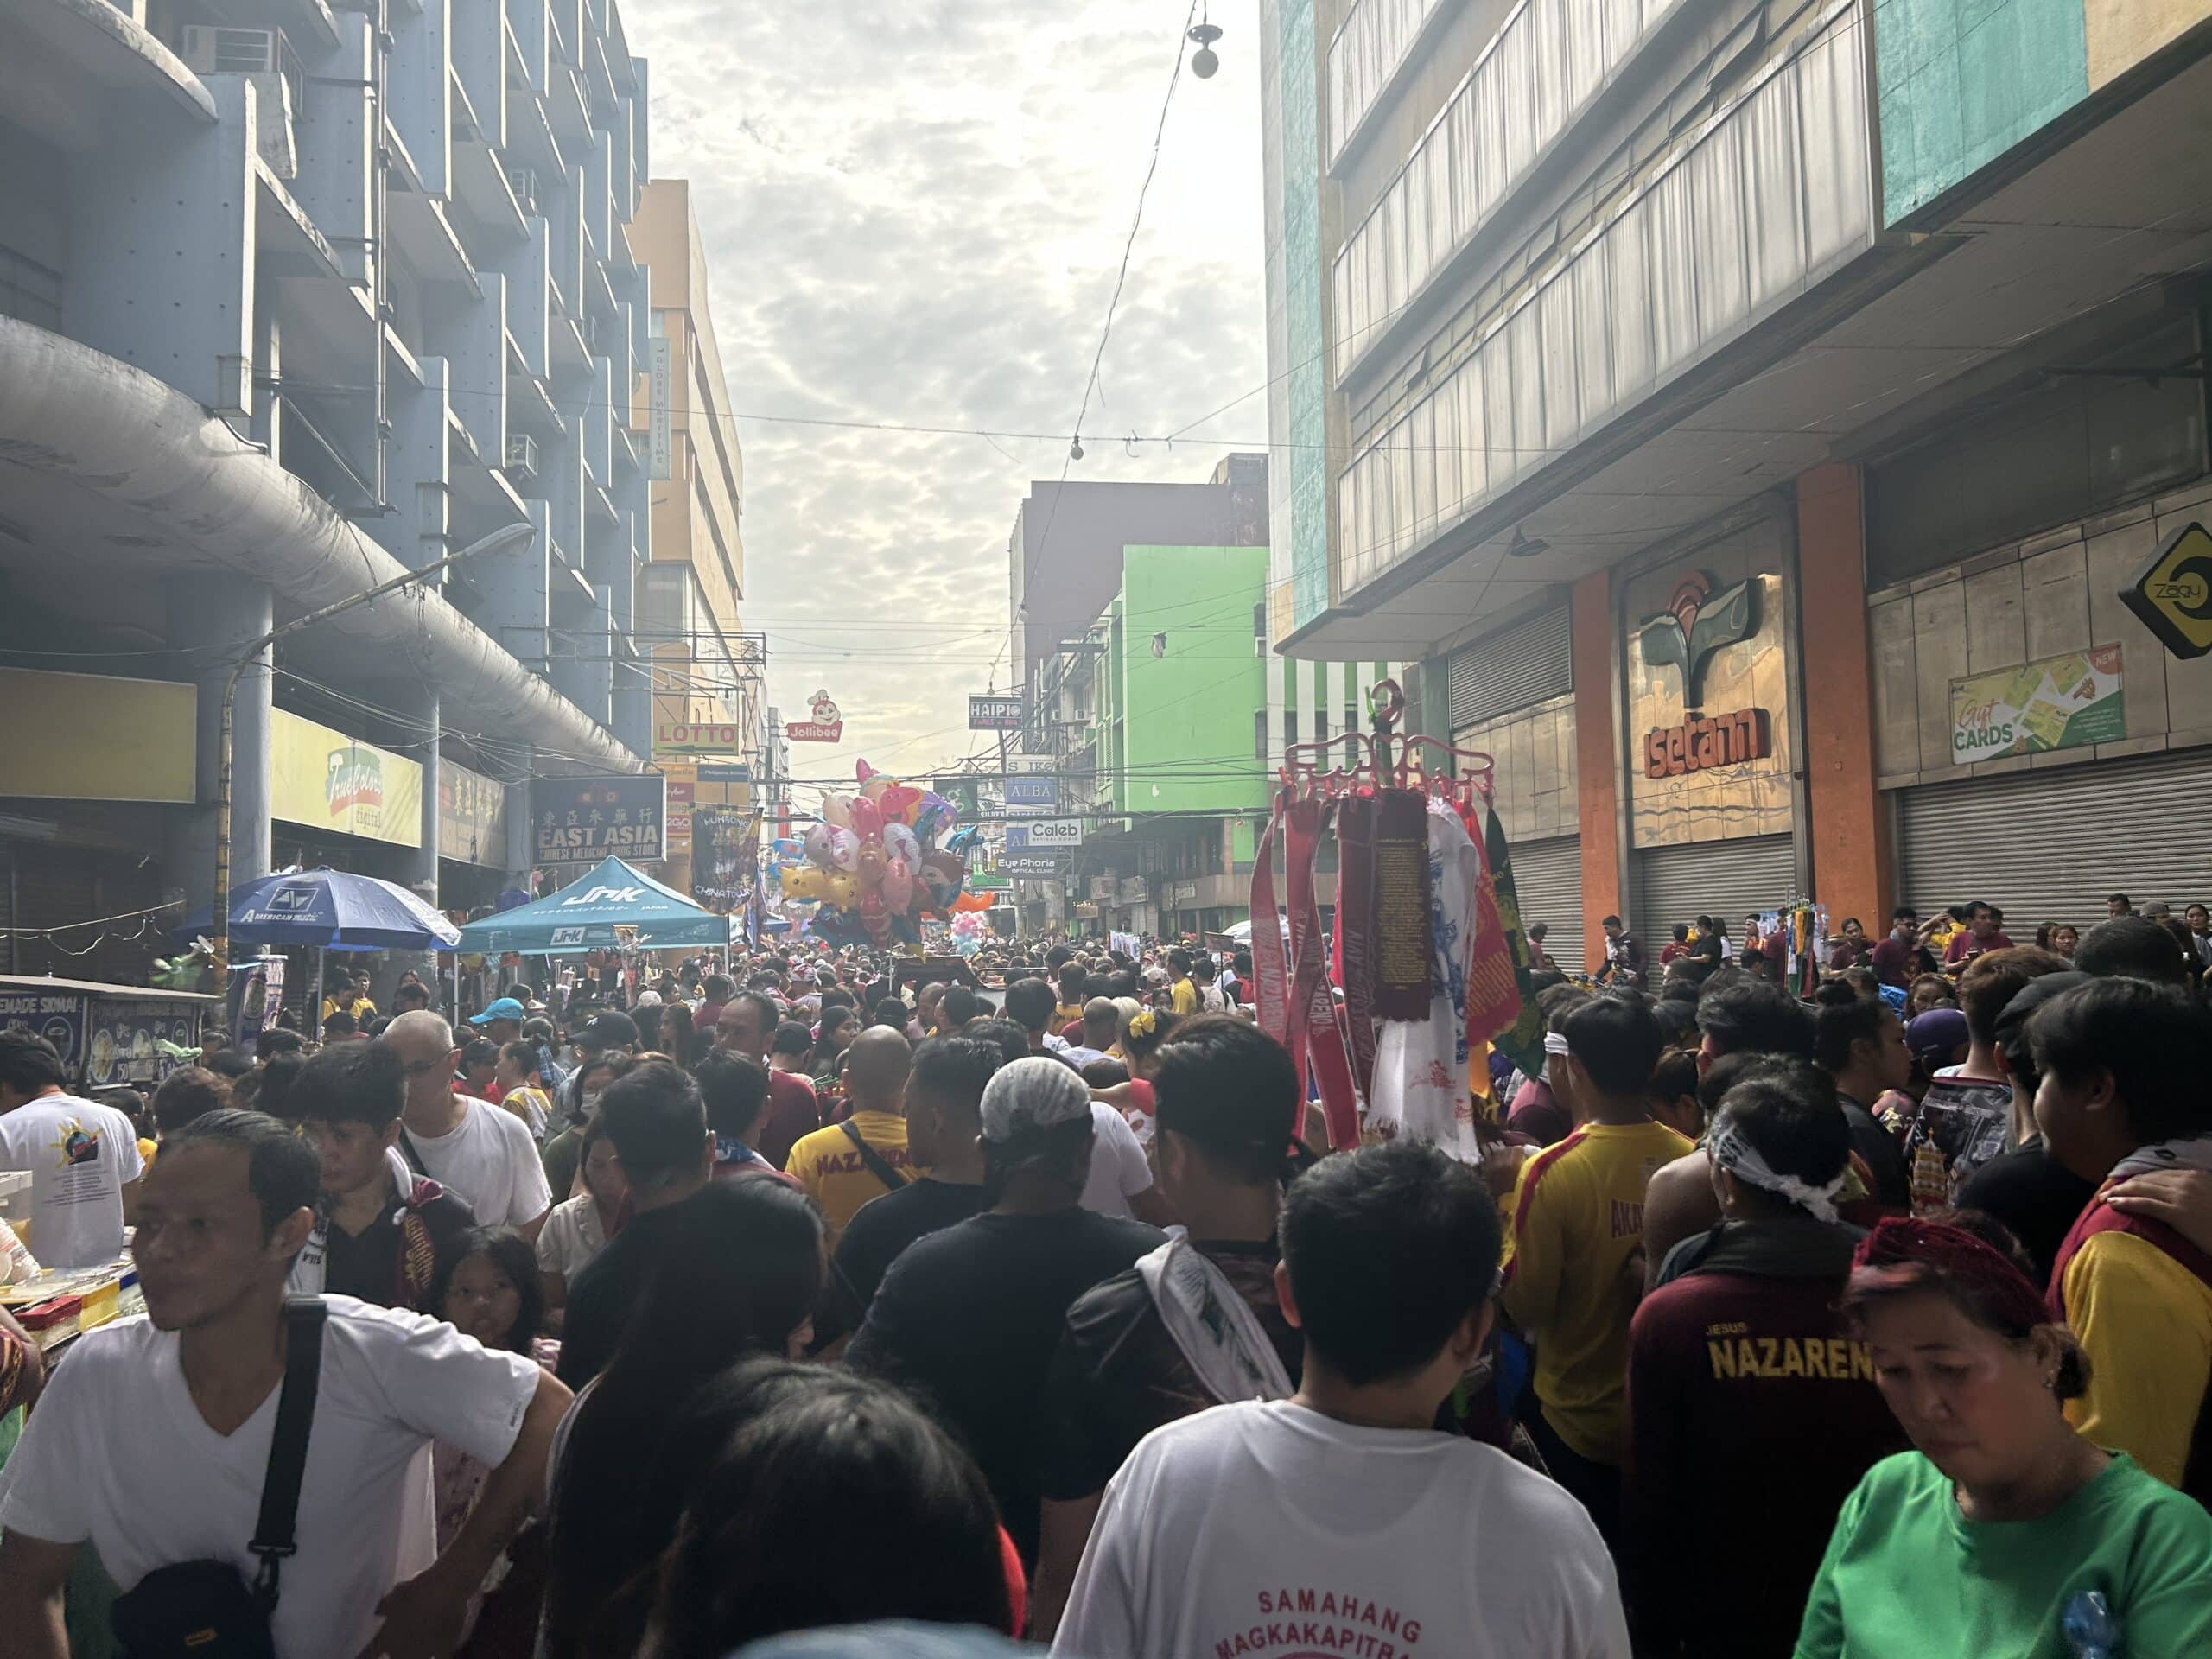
(488, 1160)
(1118, 1169)
(572, 1236)
(81, 1155)
(117, 1454)
(1268, 1529)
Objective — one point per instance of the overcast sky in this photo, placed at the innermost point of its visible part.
(914, 211)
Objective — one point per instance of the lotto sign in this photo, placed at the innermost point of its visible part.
(690, 737)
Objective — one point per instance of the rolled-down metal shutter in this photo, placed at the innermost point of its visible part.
(2052, 845)
(1548, 880)
(1724, 880)
(1512, 669)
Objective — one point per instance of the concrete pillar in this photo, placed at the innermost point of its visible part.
(419, 701)
(1596, 759)
(1853, 872)
(214, 616)
(518, 856)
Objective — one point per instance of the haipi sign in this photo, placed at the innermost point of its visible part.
(825, 725)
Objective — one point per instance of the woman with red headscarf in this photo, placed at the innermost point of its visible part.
(2005, 1534)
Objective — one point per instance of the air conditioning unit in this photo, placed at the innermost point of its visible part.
(522, 458)
(210, 50)
(523, 180)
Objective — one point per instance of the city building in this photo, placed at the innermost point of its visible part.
(294, 299)
(1748, 417)
(708, 676)
(1156, 717)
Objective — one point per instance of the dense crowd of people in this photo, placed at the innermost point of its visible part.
(665, 1314)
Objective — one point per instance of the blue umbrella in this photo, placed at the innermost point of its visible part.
(334, 909)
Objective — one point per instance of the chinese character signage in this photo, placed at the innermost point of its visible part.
(991, 714)
(582, 820)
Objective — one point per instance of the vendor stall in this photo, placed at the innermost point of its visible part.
(108, 1035)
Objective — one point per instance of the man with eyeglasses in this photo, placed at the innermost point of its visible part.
(469, 1146)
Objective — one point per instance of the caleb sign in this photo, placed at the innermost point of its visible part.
(824, 725)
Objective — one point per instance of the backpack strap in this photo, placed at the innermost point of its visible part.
(304, 1318)
(892, 1179)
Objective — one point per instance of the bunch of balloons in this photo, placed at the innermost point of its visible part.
(873, 864)
(969, 932)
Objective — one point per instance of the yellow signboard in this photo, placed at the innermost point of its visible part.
(698, 737)
(323, 779)
(93, 737)
(2173, 595)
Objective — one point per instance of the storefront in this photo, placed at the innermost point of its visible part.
(1511, 696)
(1705, 636)
(2038, 748)
(92, 766)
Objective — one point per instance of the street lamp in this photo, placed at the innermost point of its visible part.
(505, 538)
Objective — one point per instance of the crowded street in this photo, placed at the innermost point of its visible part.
(718, 942)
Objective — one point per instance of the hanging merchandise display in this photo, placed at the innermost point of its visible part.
(1420, 921)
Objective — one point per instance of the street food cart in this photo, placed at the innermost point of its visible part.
(108, 1035)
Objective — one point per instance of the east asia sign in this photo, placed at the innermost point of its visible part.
(582, 820)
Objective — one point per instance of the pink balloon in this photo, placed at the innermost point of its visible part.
(820, 844)
(899, 886)
(844, 849)
(866, 819)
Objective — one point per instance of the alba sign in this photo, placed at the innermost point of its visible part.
(825, 724)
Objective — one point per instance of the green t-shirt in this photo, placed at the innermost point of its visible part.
(1907, 1574)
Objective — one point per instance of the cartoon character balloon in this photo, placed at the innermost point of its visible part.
(844, 849)
(899, 886)
(900, 843)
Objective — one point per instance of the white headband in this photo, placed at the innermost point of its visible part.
(1726, 1146)
(1555, 1044)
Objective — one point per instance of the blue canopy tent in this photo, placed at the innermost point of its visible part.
(585, 915)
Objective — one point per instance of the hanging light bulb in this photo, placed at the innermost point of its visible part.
(1204, 62)
(1075, 449)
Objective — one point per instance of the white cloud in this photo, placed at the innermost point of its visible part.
(914, 212)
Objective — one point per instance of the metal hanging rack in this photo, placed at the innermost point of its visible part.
(1383, 760)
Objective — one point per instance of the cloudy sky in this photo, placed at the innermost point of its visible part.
(914, 211)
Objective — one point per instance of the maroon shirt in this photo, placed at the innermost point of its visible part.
(792, 1112)
(1751, 1417)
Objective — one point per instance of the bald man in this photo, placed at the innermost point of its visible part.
(482, 1155)
(864, 1157)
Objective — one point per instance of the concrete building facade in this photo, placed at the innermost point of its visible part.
(1746, 414)
(295, 298)
(705, 671)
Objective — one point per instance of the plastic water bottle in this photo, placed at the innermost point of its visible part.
(2091, 1628)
